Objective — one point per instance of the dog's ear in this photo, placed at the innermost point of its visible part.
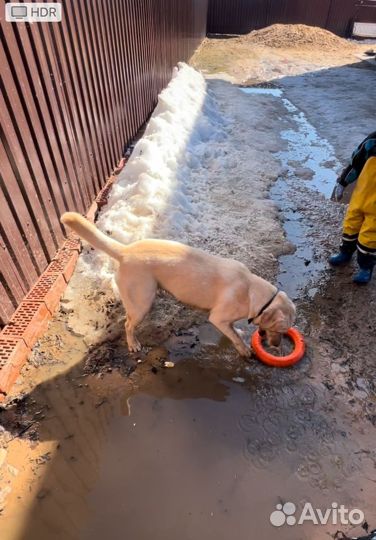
(274, 319)
(267, 317)
(279, 316)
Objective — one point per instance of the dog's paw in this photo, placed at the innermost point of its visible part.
(135, 346)
(244, 351)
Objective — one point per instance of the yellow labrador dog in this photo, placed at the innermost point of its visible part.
(224, 287)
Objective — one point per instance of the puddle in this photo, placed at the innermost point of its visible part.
(195, 464)
(187, 343)
(309, 151)
(309, 163)
(314, 157)
(297, 271)
(207, 449)
(189, 453)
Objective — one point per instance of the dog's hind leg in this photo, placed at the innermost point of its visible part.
(138, 296)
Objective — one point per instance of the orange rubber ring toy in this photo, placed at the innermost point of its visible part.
(279, 361)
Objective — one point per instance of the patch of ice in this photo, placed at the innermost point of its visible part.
(277, 92)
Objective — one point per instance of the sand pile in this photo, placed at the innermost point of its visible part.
(281, 36)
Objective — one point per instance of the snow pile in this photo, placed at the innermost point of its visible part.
(151, 190)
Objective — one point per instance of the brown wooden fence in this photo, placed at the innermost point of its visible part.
(74, 94)
(242, 16)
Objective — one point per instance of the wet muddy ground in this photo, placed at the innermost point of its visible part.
(98, 442)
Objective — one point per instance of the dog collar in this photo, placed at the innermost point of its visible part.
(264, 307)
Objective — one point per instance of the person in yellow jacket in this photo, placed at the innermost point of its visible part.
(359, 226)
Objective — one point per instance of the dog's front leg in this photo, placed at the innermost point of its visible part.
(227, 329)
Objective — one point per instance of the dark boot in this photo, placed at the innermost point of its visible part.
(366, 263)
(345, 254)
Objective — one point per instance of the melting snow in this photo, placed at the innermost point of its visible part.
(154, 185)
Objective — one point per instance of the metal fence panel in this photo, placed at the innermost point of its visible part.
(74, 94)
(243, 16)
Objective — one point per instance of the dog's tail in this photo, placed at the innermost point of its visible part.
(91, 234)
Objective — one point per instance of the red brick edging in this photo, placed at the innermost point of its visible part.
(31, 318)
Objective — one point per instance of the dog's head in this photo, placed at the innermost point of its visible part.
(276, 319)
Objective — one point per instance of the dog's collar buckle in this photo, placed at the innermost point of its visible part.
(264, 307)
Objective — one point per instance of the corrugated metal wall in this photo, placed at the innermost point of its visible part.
(242, 16)
(343, 13)
(73, 95)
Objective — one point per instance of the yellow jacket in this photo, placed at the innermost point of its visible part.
(360, 219)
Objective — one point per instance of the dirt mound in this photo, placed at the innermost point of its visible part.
(295, 35)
